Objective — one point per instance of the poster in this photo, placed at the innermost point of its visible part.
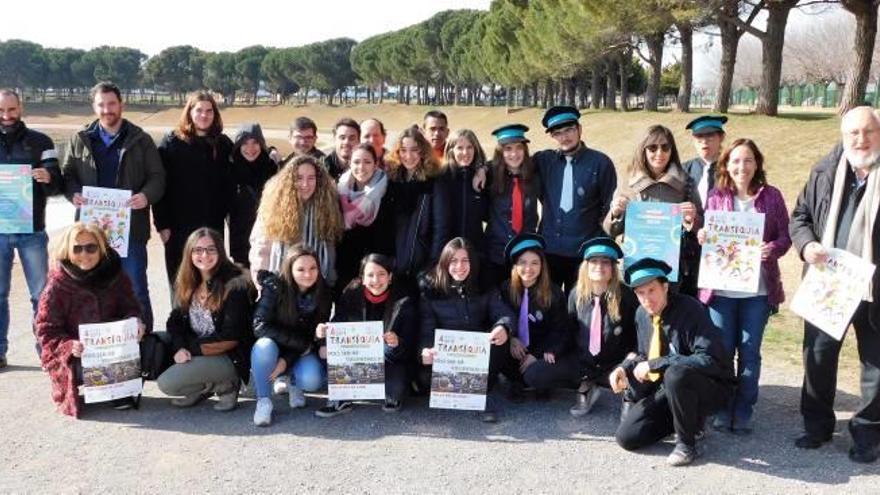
(106, 208)
(16, 199)
(460, 374)
(731, 255)
(111, 360)
(355, 361)
(830, 292)
(652, 230)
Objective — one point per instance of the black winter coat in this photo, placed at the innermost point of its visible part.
(462, 309)
(294, 338)
(468, 209)
(549, 328)
(198, 185)
(500, 228)
(398, 313)
(232, 322)
(26, 146)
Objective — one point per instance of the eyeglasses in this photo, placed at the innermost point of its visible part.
(90, 248)
(210, 250)
(665, 147)
(565, 130)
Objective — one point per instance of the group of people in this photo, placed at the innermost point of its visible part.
(428, 234)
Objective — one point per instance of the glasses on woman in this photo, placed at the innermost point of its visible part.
(210, 251)
(665, 147)
(90, 248)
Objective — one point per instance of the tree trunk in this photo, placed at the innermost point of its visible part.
(623, 66)
(771, 62)
(686, 31)
(595, 88)
(866, 33)
(730, 36)
(655, 53)
(492, 95)
(610, 84)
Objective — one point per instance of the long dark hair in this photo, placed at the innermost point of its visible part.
(357, 285)
(189, 277)
(441, 280)
(286, 304)
(542, 288)
(499, 185)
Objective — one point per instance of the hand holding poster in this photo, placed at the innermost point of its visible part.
(731, 255)
(830, 292)
(652, 230)
(16, 199)
(355, 361)
(111, 360)
(460, 374)
(108, 209)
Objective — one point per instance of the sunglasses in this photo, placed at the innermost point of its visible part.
(665, 147)
(205, 250)
(90, 248)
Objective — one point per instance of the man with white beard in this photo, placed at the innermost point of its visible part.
(838, 208)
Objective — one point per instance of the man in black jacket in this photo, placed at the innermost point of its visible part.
(838, 208)
(20, 145)
(346, 135)
(680, 374)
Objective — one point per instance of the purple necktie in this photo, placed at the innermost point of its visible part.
(523, 329)
(596, 327)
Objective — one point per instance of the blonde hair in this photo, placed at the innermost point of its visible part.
(427, 168)
(62, 249)
(584, 290)
(281, 209)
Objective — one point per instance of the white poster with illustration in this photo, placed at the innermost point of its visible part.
(731, 255)
(108, 209)
(830, 292)
(355, 360)
(111, 360)
(460, 374)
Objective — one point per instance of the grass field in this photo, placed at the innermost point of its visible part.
(791, 143)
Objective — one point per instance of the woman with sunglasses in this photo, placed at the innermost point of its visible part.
(656, 174)
(87, 285)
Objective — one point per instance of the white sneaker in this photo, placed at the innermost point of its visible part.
(280, 385)
(263, 414)
(297, 398)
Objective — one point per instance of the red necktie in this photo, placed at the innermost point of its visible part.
(517, 213)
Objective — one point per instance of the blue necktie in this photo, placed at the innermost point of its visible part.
(523, 327)
(566, 200)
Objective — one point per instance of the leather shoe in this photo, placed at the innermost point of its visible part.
(808, 441)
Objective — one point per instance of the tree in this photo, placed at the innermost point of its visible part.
(178, 69)
(22, 64)
(276, 75)
(219, 75)
(248, 62)
(118, 64)
(865, 12)
(60, 63)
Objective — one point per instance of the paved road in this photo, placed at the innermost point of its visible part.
(537, 447)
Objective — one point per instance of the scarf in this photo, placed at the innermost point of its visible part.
(326, 250)
(376, 299)
(361, 207)
(859, 241)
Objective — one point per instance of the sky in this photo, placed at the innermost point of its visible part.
(224, 26)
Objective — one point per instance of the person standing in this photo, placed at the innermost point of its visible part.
(346, 135)
(373, 133)
(114, 153)
(19, 144)
(199, 179)
(708, 134)
(303, 136)
(435, 128)
(838, 209)
(577, 183)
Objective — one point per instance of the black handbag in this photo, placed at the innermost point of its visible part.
(155, 355)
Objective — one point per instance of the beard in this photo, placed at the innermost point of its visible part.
(861, 161)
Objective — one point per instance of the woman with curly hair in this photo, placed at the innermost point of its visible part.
(299, 205)
(415, 207)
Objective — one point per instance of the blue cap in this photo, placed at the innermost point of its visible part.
(522, 243)
(560, 116)
(601, 246)
(645, 270)
(511, 133)
(707, 124)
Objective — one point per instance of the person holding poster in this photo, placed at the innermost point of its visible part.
(741, 185)
(541, 358)
(605, 310)
(655, 174)
(451, 300)
(838, 209)
(87, 285)
(21, 145)
(112, 152)
(373, 297)
(209, 324)
(199, 185)
(680, 373)
(292, 304)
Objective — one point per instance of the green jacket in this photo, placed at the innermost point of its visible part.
(140, 170)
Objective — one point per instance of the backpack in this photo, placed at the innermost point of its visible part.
(155, 355)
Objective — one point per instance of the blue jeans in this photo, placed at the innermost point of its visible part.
(32, 252)
(135, 266)
(307, 373)
(742, 323)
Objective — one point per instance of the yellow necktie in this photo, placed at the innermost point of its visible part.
(654, 350)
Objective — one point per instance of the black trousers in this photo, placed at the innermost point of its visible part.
(395, 379)
(821, 355)
(541, 375)
(680, 404)
(241, 220)
(564, 271)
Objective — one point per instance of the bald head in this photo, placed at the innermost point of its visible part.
(860, 129)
